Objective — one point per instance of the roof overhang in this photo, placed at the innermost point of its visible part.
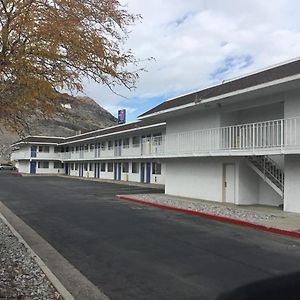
(158, 125)
(276, 86)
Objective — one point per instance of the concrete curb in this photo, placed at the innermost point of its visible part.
(294, 234)
(66, 295)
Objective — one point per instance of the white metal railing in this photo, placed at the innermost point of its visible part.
(118, 151)
(269, 168)
(275, 134)
(19, 155)
(280, 134)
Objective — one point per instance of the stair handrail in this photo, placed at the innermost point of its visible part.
(262, 162)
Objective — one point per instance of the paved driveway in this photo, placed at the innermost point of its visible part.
(132, 251)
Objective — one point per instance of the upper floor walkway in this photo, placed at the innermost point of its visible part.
(261, 138)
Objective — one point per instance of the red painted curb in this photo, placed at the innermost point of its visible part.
(293, 234)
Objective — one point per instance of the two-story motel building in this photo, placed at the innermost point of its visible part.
(236, 142)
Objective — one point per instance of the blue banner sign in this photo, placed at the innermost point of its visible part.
(122, 116)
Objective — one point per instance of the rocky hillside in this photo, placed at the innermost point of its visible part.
(78, 114)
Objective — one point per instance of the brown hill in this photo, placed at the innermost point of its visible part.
(78, 114)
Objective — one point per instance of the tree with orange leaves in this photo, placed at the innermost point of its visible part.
(51, 45)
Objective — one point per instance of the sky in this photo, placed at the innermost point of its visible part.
(199, 43)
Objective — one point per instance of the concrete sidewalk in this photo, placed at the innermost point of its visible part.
(265, 216)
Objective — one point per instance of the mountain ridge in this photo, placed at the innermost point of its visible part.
(77, 114)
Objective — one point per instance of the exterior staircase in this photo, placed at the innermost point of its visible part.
(269, 171)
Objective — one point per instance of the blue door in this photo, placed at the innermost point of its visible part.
(33, 167)
(115, 171)
(142, 172)
(119, 171)
(98, 170)
(67, 169)
(80, 170)
(148, 172)
(33, 151)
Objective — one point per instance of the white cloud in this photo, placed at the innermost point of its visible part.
(191, 40)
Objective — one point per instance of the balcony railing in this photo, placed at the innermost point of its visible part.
(19, 155)
(245, 139)
(280, 134)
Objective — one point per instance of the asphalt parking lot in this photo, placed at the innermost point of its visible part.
(132, 251)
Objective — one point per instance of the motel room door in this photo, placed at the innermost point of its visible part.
(67, 169)
(33, 167)
(229, 183)
(97, 170)
(80, 170)
(148, 172)
(116, 171)
(142, 172)
(119, 171)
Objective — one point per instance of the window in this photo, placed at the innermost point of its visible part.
(156, 168)
(43, 164)
(56, 149)
(58, 165)
(72, 149)
(126, 143)
(44, 149)
(136, 141)
(85, 167)
(92, 147)
(103, 165)
(110, 145)
(76, 167)
(125, 167)
(135, 167)
(77, 148)
(91, 167)
(110, 167)
(72, 166)
(86, 148)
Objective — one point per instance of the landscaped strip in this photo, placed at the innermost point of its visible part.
(23, 274)
(243, 223)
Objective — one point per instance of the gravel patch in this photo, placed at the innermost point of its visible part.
(206, 207)
(20, 276)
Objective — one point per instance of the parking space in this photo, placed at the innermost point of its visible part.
(132, 251)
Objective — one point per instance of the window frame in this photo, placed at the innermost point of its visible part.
(136, 169)
(155, 169)
(125, 170)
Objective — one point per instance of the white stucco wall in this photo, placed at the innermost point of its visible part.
(292, 105)
(292, 183)
(255, 114)
(50, 170)
(266, 195)
(74, 173)
(194, 121)
(195, 178)
(202, 178)
(253, 189)
(107, 175)
(23, 166)
(248, 191)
